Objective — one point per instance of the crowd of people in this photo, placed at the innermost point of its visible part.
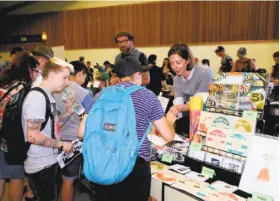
(38, 118)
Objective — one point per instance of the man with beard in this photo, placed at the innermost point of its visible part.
(124, 41)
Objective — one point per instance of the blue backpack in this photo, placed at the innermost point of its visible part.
(111, 145)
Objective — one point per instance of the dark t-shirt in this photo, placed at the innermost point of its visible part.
(134, 53)
(275, 73)
(155, 80)
(225, 62)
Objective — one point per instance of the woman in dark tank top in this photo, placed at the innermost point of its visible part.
(243, 64)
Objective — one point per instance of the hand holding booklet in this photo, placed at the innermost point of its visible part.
(64, 158)
(159, 141)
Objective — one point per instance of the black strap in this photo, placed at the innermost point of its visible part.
(66, 120)
(10, 90)
(48, 111)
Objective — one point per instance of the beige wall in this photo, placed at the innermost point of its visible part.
(262, 52)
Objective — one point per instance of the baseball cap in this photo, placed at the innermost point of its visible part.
(43, 51)
(242, 52)
(128, 66)
(219, 49)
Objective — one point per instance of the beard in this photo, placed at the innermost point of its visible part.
(125, 50)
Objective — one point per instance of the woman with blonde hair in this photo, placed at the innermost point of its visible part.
(42, 130)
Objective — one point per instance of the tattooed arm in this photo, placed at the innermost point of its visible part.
(34, 136)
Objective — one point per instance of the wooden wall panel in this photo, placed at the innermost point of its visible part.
(153, 24)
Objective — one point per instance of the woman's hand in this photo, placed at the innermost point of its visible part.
(170, 117)
(176, 109)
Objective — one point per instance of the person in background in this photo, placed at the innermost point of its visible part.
(88, 64)
(226, 62)
(155, 75)
(206, 63)
(82, 59)
(275, 69)
(167, 81)
(196, 61)
(42, 54)
(274, 77)
(41, 163)
(243, 64)
(189, 80)
(102, 83)
(89, 72)
(70, 125)
(147, 109)
(2, 63)
(23, 68)
(124, 41)
(106, 64)
(14, 50)
(107, 73)
(167, 73)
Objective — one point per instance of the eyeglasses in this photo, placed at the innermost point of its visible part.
(122, 41)
(37, 71)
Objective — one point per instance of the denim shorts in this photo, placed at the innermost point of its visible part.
(71, 171)
(10, 171)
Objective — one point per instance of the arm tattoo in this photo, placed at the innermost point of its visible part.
(43, 142)
(35, 137)
(35, 124)
(46, 142)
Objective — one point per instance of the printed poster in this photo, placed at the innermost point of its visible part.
(261, 172)
(238, 143)
(216, 138)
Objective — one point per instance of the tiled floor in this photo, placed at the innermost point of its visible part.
(82, 194)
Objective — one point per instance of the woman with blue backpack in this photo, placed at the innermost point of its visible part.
(116, 149)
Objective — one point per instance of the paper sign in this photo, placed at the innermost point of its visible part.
(167, 158)
(249, 114)
(208, 172)
(261, 197)
(196, 146)
(256, 97)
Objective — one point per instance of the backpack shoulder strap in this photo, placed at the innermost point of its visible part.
(48, 110)
(133, 88)
(145, 135)
(10, 90)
